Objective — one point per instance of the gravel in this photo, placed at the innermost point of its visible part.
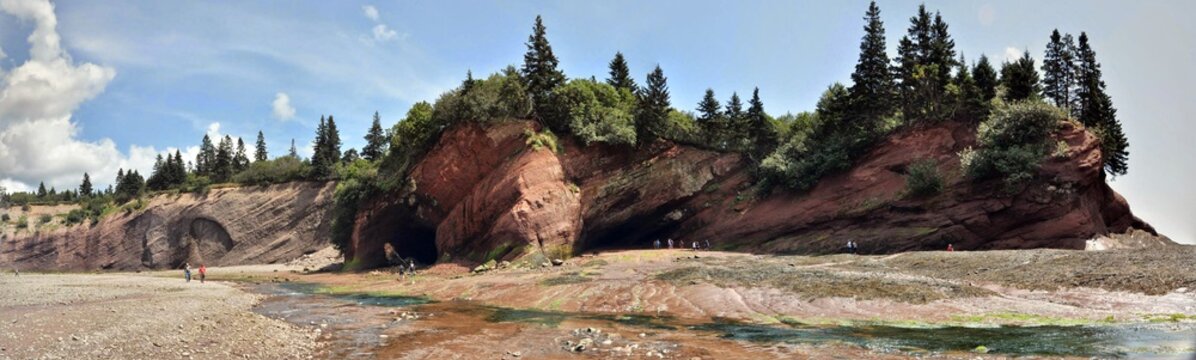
(81, 316)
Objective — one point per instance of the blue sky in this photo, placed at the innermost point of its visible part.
(135, 78)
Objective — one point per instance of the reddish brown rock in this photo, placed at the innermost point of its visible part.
(481, 194)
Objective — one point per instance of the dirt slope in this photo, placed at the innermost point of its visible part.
(248, 225)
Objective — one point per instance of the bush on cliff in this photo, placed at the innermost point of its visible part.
(923, 178)
(275, 171)
(1012, 143)
(597, 112)
(356, 184)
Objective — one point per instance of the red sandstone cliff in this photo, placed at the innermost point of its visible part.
(482, 193)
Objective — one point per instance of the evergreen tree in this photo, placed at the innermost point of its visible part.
(241, 160)
(761, 134)
(293, 152)
(620, 74)
(710, 117)
(206, 159)
(873, 86)
(179, 172)
(375, 141)
(986, 78)
(223, 166)
(157, 179)
(85, 187)
(327, 151)
(735, 120)
(1020, 79)
(652, 114)
(971, 103)
(332, 142)
(350, 156)
(925, 58)
(541, 76)
(41, 190)
(120, 176)
(1058, 70)
(1096, 111)
(260, 154)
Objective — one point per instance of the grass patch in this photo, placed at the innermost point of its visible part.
(565, 279)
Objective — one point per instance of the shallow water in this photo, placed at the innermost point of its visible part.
(354, 328)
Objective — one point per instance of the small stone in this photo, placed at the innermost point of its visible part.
(643, 335)
(74, 337)
(383, 336)
(186, 353)
(557, 262)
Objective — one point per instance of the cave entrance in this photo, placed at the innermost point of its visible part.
(636, 235)
(415, 243)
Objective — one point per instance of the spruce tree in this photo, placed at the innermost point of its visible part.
(986, 78)
(1058, 70)
(179, 173)
(620, 74)
(205, 160)
(332, 142)
(540, 75)
(293, 152)
(971, 104)
(735, 121)
(120, 176)
(710, 117)
(872, 87)
(241, 160)
(1097, 113)
(41, 189)
(1020, 79)
(760, 132)
(260, 153)
(85, 187)
(319, 165)
(375, 141)
(652, 114)
(224, 166)
(925, 58)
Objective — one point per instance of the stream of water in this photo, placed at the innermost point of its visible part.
(355, 325)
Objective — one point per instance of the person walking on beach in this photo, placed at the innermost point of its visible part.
(656, 244)
(203, 273)
(695, 245)
(670, 243)
(950, 248)
(187, 271)
(708, 244)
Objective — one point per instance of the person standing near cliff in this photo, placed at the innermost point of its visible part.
(203, 273)
(187, 271)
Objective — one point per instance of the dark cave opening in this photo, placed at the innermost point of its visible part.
(415, 243)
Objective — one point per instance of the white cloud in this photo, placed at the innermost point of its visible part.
(38, 139)
(282, 107)
(370, 11)
(382, 33)
(1012, 54)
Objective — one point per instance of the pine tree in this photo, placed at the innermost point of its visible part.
(760, 132)
(223, 166)
(41, 190)
(320, 167)
(620, 74)
(652, 114)
(85, 187)
(971, 103)
(540, 75)
(206, 159)
(179, 172)
(710, 117)
(1096, 111)
(332, 142)
(260, 153)
(873, 86)
(1058, 70)
(120, 176)
(734, 119)
(925, 58)
(375, 141)
(1020, 79)
(986, 78)
(293, 152)
(241, 160)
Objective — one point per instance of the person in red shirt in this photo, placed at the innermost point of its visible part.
(203, 272)
(949, 249)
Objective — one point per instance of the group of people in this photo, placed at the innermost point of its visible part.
(680, 244)
(203, 272)
(852, 247)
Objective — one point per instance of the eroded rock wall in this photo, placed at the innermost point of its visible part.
(247, 225)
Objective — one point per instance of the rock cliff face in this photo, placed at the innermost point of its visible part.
(481, 193)
(249, 225)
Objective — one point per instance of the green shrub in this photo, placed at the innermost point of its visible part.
(22, 222)
(923, 178)
(275, 171)
(5, 218)
(1012, 143)
(541, 140)
(45, 219)
(827, 142)
(597, 112)
(76, 216)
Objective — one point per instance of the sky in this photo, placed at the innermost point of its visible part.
(96, 86)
